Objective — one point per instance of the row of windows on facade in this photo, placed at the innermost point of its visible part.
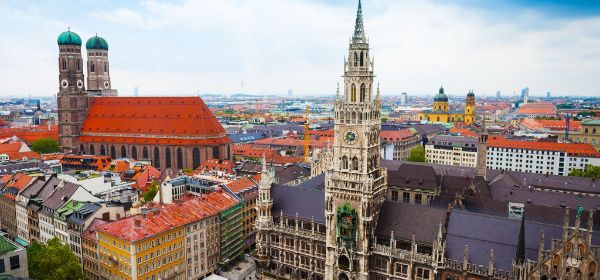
(359, 59)
(92, 66)
(156, 152)
(14, 263)
(526, 151)
(406, 197)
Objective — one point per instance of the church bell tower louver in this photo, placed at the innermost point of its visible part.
(355, 188)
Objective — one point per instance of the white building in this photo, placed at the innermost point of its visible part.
(452, 150)
(539, 157)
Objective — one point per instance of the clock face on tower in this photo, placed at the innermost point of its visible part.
(350, 136)
(79, 84)
(64, 83)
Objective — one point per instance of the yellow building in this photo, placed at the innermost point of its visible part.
(441, 111)
(147, 247)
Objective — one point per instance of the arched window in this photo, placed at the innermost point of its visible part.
(92, 67)
(123, 152)
(363, 92)
(105, 67)
(353, 93)
(102, 150)
(344, 162)
(92, 150)
(113, 152)
(355, 59)
(81, 149)
(78, 67)
(196, 158)
(179, 159)
(168, 157)
(64, 64)
(215, 152)
(134, 152)
(156, 153)
(355, 163)
(361, 58)
(145, 153)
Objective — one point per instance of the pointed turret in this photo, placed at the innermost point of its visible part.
(359, 29)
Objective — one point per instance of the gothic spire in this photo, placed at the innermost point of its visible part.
(359, 29)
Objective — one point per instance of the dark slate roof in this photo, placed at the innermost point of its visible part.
(429, 129)
(407, 219)
(78, 217)
(483, 233)
(246, 137)
(33, 188)
(60, 196)
(414, 175)
(314, 183)
(307, 203)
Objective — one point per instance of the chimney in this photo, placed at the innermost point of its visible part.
(138, 222)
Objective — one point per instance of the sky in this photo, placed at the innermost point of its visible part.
(270, 46)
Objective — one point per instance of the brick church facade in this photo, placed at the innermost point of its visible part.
(171, 132)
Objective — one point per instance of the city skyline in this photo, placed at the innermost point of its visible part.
(161, 47)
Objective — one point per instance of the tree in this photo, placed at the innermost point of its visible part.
(53, 261)
(590, 171)
(417, 154)
(150, 193)
(45, 146)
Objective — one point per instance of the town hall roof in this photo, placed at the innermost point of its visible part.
(152, 120)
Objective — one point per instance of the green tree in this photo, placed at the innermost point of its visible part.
(590, 171)
(53, 261)
(417, 154)
(150, 193)
(45, 146)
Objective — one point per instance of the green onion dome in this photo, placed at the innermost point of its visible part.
(441, 96)
(96, 43)
(69, 38)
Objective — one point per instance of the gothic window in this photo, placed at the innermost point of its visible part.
(82, 149)
(134, 152)
(64, 64)
(363, 92)
(145, 153)
(113, 152)
(102, 150)
(123, 152)
(196, 158)
(156, 157)
(355, 59)
(353, 93)
(78, 67)
(361, 58)
(105, 67)
(92, 67)
(215, 152)
(355, 163)
(179, 159)
(92, 150)
(168, 157)
(344, 162)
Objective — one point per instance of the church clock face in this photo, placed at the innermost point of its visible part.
(350, 137)
(106, 84)
(64, 83)
(79, 84)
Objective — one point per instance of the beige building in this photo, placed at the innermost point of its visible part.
(452, 150)
(588, 133)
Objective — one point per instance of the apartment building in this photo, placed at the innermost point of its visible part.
(452, 150)
(538, 156)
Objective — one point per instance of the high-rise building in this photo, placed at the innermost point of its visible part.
(525, 93)
(548, 94)
(498, 94)
(404, 98)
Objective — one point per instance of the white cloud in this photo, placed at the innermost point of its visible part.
(273, 45)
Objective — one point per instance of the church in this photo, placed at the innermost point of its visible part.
(367, 218)
(172, 132)
(442, 113)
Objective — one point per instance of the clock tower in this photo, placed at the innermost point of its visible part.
(355, 187)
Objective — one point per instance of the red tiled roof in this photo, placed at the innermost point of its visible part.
(241, 184)
(18, 181)
(290, 142)
(23, 155)
(11, 147)
(537, 109)
(573, 149)
(464, 132)
(550, 124)
(217, 165)
(90, 232)
(271, 155)
(182, 120)
(31, 133)
(396, 135)
(169, 216)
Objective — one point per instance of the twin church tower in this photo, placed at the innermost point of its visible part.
(73, 99)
